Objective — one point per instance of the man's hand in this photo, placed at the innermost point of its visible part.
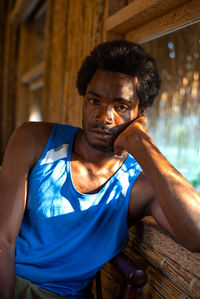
(130, 134)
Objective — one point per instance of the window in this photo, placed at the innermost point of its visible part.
(174, 120)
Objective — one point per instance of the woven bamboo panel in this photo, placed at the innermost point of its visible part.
(167, 278)
(151, 235)
(173, 271)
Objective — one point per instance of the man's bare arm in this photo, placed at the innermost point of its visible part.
(20, 156)
(171, 200)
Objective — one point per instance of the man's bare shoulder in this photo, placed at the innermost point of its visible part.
(27, 143)
(35, 129)
(36, 135)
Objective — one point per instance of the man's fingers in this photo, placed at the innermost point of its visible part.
(123, 139)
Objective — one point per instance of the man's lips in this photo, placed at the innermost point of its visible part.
(103, 132)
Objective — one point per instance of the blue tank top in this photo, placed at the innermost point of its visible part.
(66, 236)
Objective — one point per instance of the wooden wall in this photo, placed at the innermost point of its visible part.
(73, 28)
(43, 44)
(8, 45)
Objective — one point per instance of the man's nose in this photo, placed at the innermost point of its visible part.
(105, 115)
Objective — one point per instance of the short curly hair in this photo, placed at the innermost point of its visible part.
(125, 57)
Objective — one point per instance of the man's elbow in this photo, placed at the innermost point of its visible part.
(193, 246)
(6, 248)
(195, 249)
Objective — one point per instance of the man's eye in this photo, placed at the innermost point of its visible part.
(93, 101)
(121, 108)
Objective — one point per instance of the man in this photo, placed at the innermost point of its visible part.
(69, 194)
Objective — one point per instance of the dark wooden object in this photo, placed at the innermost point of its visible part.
(134, 277)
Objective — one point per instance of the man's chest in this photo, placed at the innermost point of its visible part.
(88, 180)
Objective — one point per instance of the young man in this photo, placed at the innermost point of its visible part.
(69, 194)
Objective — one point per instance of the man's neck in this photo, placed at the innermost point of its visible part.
(91, 168)
(89, 154)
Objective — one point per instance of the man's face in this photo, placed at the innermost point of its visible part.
(109, 105)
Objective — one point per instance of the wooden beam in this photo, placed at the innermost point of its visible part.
(36, 84)
(105, 16)
(41, 10)
(114, 6)
(108, 35)
(140, 12)
(22, 10)
(188, 13)
(33, 73)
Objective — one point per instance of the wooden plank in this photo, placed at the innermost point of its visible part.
(56, 47)
(29, 64)
(47, 55)
(175, 19)
(140, 12)
(113, 35)
(115, 6)
(9, 80)
(76, 47)
(33, 73)
(108, 35)
(105, 16)
(85, 30)
(41, 10)
(3, 13)
(22, 10)
(22, 101)
(37, 84)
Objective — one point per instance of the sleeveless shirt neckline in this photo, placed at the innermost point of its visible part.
(116, 174)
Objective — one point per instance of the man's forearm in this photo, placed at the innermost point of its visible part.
(7, 270)
(179, 200)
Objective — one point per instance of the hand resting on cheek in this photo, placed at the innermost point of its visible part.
(128, 137)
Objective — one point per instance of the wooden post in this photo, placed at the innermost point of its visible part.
(55, 53)
(8, 76)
